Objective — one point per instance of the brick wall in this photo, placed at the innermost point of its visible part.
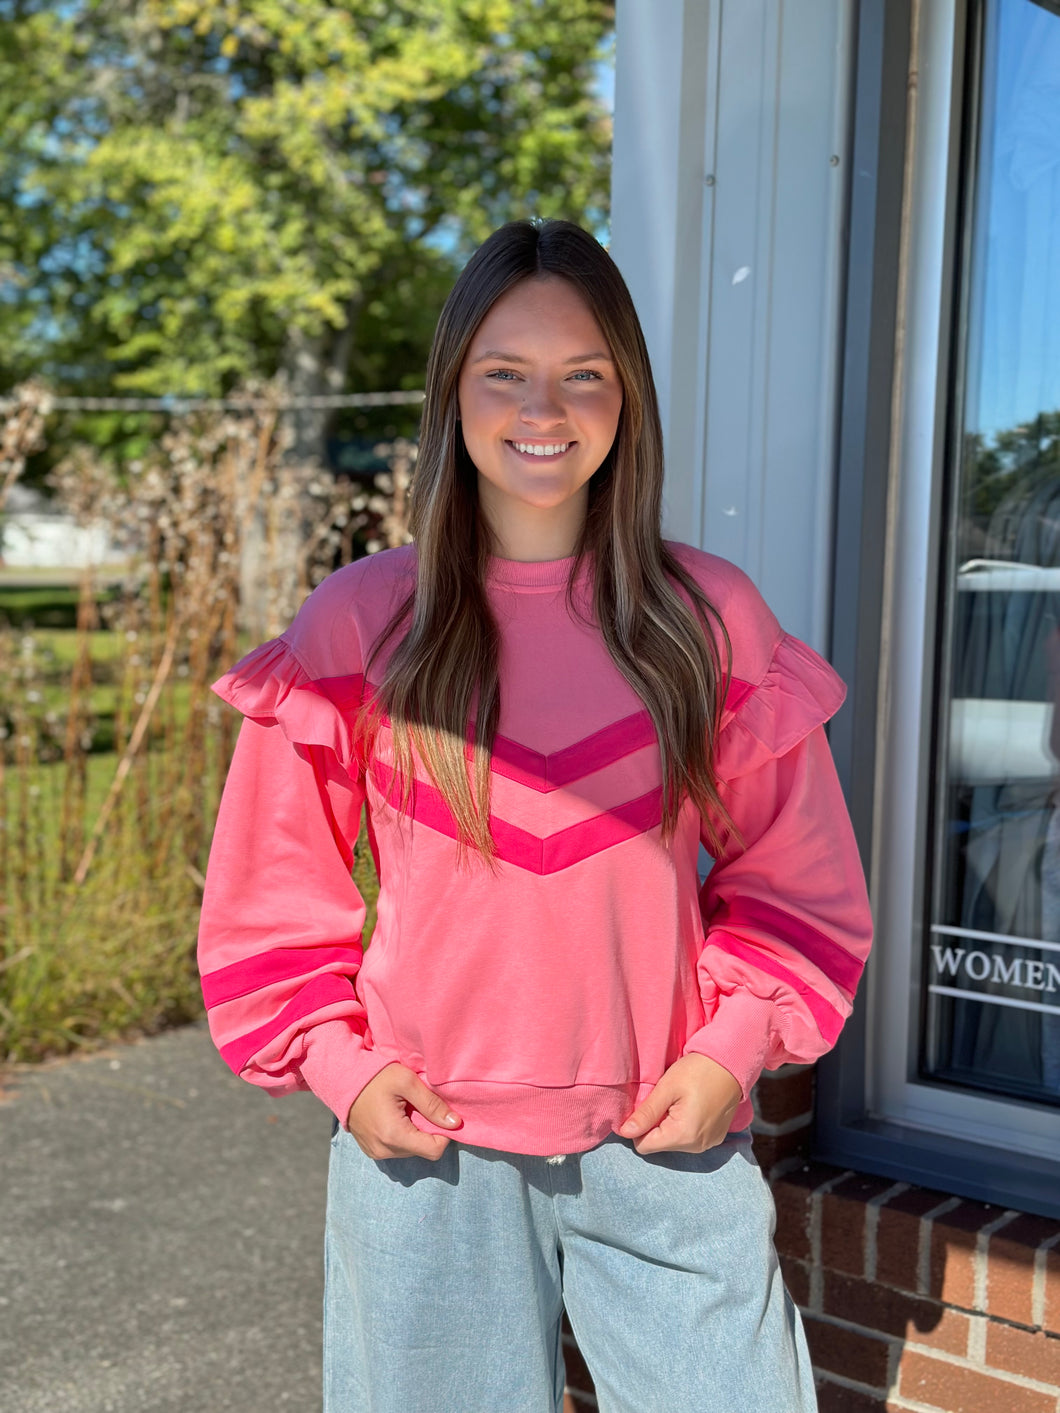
(914, 1301)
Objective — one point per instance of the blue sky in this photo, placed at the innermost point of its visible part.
(1014, 350)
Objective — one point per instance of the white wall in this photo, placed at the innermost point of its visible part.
(728, 186)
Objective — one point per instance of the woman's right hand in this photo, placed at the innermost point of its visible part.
(379, 1116)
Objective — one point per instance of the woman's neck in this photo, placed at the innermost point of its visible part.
(532, 533)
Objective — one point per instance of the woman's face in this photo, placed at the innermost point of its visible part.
(539, 403)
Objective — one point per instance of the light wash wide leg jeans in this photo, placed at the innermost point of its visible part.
(445, 1283)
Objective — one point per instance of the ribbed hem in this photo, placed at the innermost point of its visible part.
(521, 1118)
(532, 574)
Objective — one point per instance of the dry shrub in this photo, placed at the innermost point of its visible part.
(104, 837)
(21, 432)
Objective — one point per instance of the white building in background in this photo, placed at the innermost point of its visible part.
(34, 536)
(841, 225)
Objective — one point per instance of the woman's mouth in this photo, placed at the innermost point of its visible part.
(541, 451)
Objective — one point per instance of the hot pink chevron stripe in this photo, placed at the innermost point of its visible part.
(602, 748)
(322, 991)
(534, 769)
(837, 964)
(737, 694)
(545, 773)
(829, 1021)
(525, 850)
(280, 964)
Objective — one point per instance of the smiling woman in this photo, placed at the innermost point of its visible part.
(539, 419)
(543, 297)
(546, 710)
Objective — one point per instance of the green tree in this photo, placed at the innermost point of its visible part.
(197, 192)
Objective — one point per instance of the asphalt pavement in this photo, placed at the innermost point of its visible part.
(161, 1236)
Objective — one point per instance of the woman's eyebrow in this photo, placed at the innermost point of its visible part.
(499, 355)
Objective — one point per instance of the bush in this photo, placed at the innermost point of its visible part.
(113, 750)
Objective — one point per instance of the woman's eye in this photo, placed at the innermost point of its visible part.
(507, 375)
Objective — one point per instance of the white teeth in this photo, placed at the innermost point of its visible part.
(541, 450)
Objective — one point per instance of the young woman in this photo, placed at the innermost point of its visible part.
(541, 1068)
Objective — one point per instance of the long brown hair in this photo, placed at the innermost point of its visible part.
(440, 687)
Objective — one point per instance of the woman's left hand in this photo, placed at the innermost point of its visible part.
(688, 1111)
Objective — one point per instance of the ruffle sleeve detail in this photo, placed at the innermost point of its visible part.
(272, 687)
(798, 693)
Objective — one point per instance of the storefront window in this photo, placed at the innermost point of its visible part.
(992, 959)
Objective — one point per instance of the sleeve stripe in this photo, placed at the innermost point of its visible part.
(280, 964)
(322, 991)
(829, 1020)
(839, 965)
(737, 694)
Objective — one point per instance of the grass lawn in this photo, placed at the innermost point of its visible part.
(44, 605)
(115, 665)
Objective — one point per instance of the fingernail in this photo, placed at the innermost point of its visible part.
(450, 1121)
(626, 1129)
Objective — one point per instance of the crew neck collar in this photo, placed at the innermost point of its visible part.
(532, 574)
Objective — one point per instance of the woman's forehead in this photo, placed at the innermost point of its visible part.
(537, 316)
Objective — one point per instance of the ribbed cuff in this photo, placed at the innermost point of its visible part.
(336, 1066)
(736, 1036)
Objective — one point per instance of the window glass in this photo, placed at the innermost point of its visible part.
(992, 959)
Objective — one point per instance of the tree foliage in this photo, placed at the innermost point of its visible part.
(198, 192)
(1006, 466)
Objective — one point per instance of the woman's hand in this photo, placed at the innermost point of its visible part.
(379, 1116)
(688, 1111)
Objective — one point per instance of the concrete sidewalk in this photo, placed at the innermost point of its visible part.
(161, 1236)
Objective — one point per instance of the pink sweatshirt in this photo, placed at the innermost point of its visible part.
(545, 998)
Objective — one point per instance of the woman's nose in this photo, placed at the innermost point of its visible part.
(542, 408)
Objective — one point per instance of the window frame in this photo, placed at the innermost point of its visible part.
(895, 436)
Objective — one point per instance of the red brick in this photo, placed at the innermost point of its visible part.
(793, 1220)
(951, 1276)
(784, 1096)
(898, 1236)
(812, 1176)
(770, 1149)
(957, 1390)
(1010, 1272)
(843, 1222)
(577, 1375)
(834, 1398)
(797, 1279)
(1034, 1355)
(1052, 1290)
(951, 1334)
(855, 1354)
(892, 1312)
(792, 1194)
